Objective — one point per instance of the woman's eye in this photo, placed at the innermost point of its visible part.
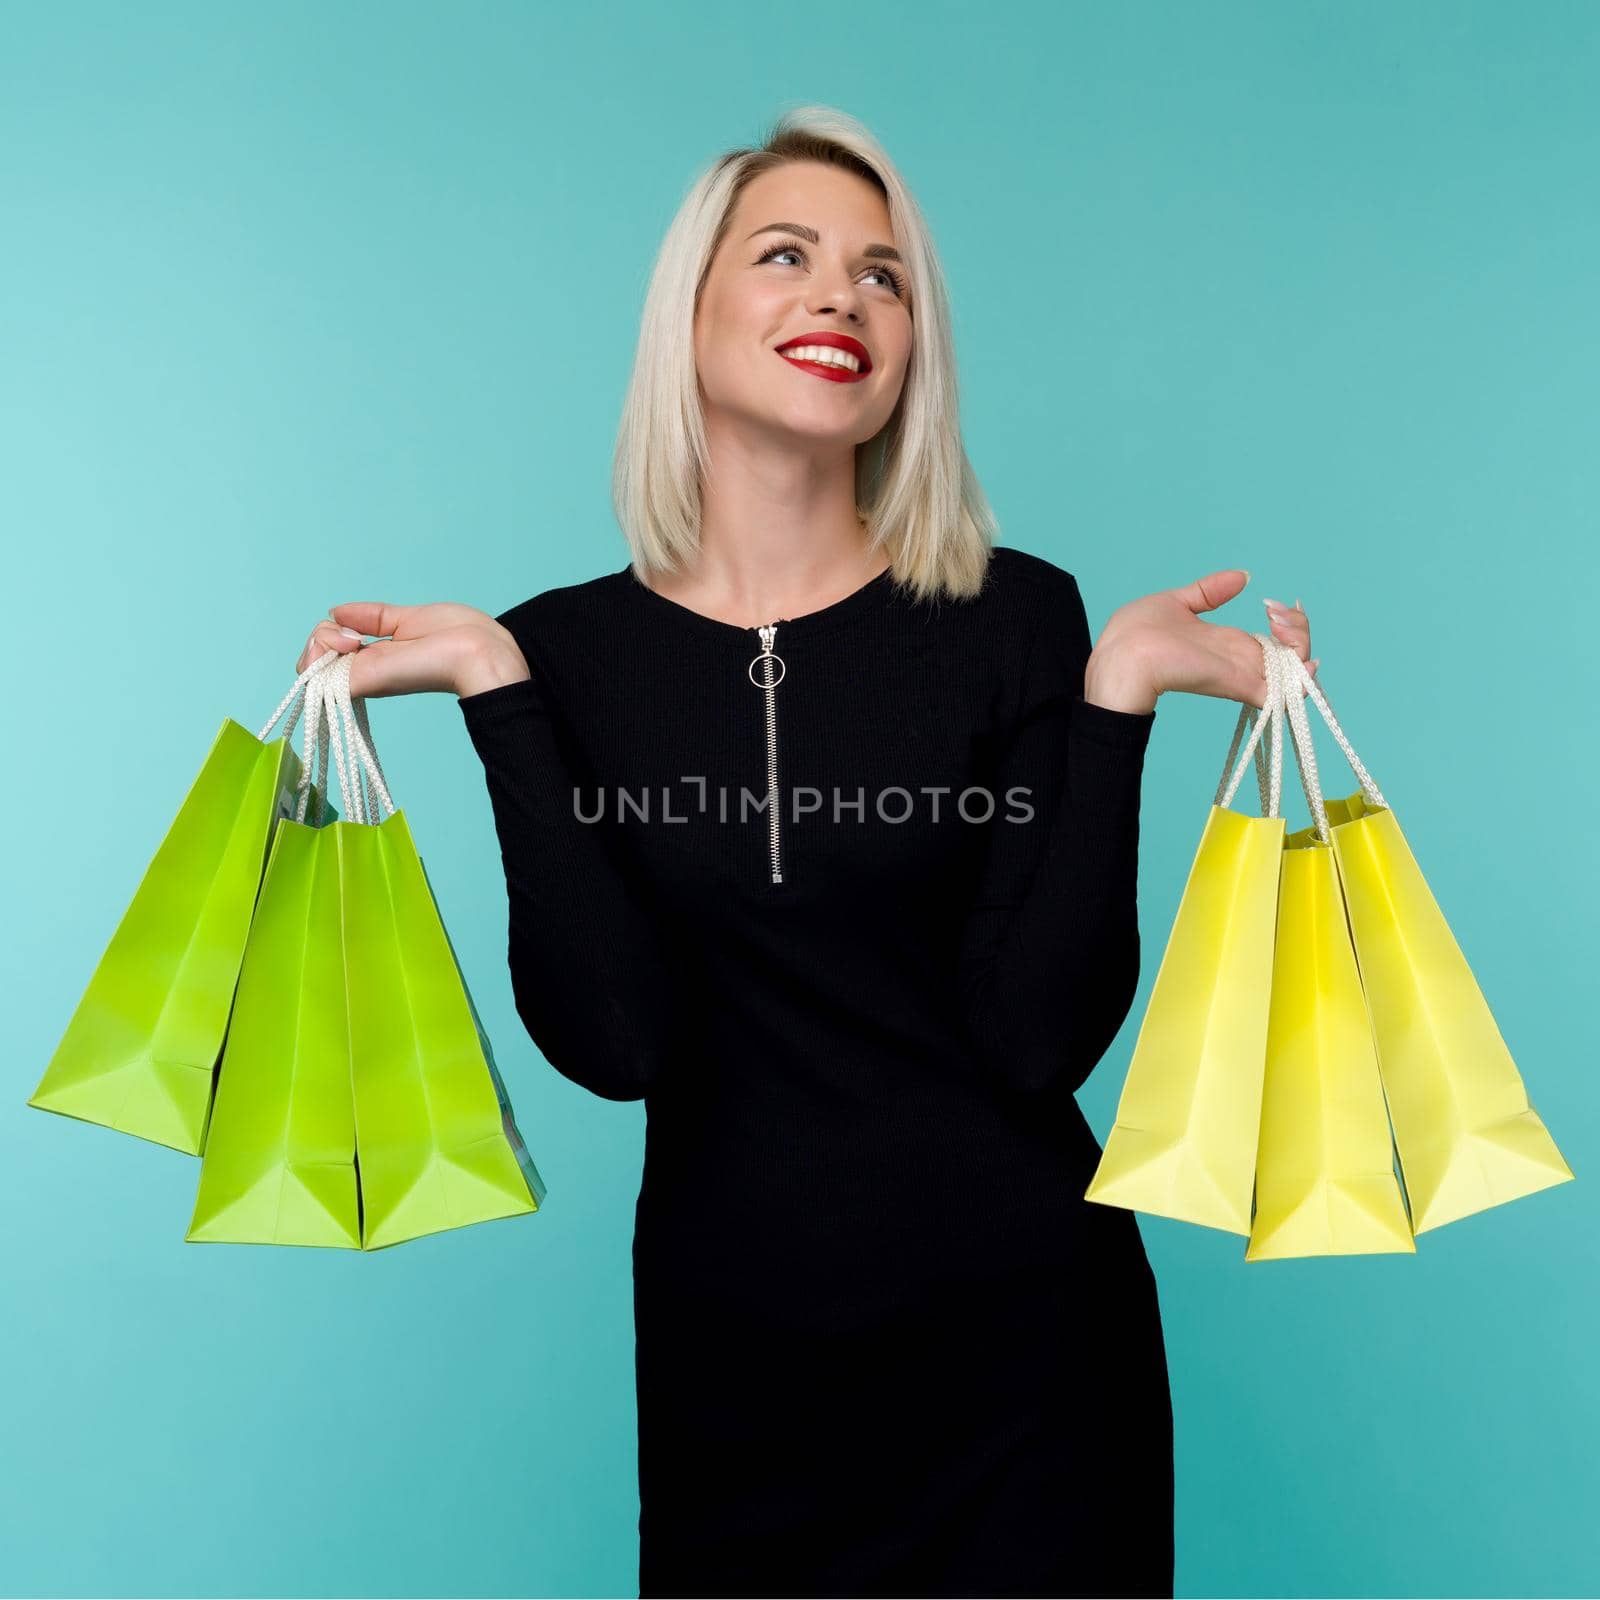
(895, 283)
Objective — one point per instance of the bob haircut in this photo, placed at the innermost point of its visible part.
(916, 491)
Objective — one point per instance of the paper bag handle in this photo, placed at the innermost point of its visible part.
(1257, 719)
(322, 691)
(1295, 676)
(341, 723)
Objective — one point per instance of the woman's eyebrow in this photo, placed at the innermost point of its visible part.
(884, 252)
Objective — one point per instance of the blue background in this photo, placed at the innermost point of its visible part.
(308, 303)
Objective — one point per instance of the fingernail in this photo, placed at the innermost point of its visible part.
(350, 632)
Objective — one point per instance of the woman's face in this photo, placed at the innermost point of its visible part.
(827, 269)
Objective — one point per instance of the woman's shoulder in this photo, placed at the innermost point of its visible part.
(1020, 575)
(1023, 596)
(588, 597)
(565, 615)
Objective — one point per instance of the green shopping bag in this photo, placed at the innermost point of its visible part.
(279, 1164)
(437, 1144)
(139, 1051)
(359, 1102)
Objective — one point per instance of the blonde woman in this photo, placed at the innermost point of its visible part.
(819, 822)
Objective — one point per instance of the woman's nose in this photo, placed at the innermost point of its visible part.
(834, 303)
(836, 295)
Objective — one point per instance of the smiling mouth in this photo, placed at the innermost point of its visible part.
(836, 366)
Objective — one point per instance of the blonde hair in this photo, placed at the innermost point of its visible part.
(915, 488)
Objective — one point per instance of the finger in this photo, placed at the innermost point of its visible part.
(1290, 628)
(392, 667)
(1298, 639)
(325, 636)
(310, 652)
(1213, 590)
(374, 617)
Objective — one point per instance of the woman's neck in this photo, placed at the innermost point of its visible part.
(780, 536)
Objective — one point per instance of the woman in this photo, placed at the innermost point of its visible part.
(820, 824)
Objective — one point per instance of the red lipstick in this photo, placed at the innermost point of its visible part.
(832, 341)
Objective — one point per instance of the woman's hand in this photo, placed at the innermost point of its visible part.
(432, 647)
(1159, 643)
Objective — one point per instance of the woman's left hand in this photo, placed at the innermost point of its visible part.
(1160, 642)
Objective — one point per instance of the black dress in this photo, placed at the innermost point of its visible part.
(855, 938)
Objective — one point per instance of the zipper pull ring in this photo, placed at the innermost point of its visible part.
(768, 632)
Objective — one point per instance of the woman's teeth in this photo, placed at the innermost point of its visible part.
(826, 354)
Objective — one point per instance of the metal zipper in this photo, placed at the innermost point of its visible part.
(769, 681)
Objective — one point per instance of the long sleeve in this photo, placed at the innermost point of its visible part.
(592, 984)
(1049, 956)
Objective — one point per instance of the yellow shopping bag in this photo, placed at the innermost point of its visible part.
(1466, 1134)
(1325, 1174)
(1184, 1141)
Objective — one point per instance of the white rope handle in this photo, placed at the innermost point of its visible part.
(305, 694)
(1295, 681)
(322, 691)
(294, 697)
(1300, 675)
(1257, 719)
(1300, 734)
(342, 724)
(320, 732)
(358, 737)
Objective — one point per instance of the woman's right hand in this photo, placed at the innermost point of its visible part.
(441, 647)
